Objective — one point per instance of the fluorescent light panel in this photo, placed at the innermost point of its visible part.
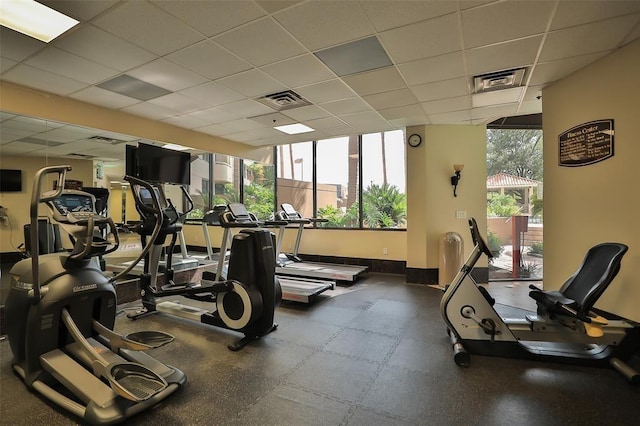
(34, 19)
(294, 129)
(175, 147)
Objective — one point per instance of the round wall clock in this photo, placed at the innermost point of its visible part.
(414, 140)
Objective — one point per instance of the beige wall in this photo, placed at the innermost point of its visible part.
(596, 203)
(431, 206)
(18, 203)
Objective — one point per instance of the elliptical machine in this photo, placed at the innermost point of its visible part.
(566, 327)
(245, 301)
(60, 315)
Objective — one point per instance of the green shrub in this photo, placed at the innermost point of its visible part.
(536, 248)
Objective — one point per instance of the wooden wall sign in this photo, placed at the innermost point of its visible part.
(586, 144)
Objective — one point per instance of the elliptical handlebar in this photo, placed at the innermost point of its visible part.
(36, 198)
(477, 238)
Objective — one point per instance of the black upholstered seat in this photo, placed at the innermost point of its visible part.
(579, 293)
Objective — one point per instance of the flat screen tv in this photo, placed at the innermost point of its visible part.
(161, 165)
(10, 180)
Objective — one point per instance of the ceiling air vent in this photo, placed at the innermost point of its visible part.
(85, 156)
(284, 100)
(498, 80)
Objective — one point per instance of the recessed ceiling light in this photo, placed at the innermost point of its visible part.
(294, 129)
(34, 19)
(175, 147)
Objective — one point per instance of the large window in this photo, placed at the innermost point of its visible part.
(354, 182)
(259, 195)
(384, 200)
(295, 176)
(337, 176)
(200, 188)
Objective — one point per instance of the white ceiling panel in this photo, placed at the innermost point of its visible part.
(149, 27)
(212, 17)
(16, 46)
(386, 14)
(167, 75)
(18, 148)
(29, 76)
(97, 45)
(99, 96)
(310, 23)
(71, 66)
(378, 81)
(261, 42)
(299, 71)
(443, 67)
(572, 13)
(212, 93)
(252, 83)
(326, 91)
(217, 57)
(589, 38)
(505, 21)
(209, 59)
(422, 40)
(392, 99)
(441, 89)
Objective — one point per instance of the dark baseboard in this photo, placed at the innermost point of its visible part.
(430, 275)
(374, 265)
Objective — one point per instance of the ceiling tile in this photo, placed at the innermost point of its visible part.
(446, 105)
(16, 148)
(493, 112)
(327, 123)
(413, 112)
(185, 121)
(309, 112)
(212, 17)
(504, 21)
(456, 117)
(38, 79)
(215, 129)
(548, 72)
(532, 93)
(423, 40)
(596, 37)
(261, 42)
(299, 71)
(179, 103)
(377, 81)
(81, 10)
(167, 75)
(571, 13)
(16, 46)
(6, 64)
(148, 26)
(215, 115)
(443, 67)
(97, 45)
(441, 89)
(209, 59)
(106, 98)
(213, 93)
(252, 83)
(390, 14)
(515, 54)
(272, 6)
(70, 66)
(273, 119)
(369, 120)
(145, 109)
(354, 57)
(244, 124)
(392, 99)
(32, 124)
(310, 24)
(346, 106)
(246, 108)
(326, 91)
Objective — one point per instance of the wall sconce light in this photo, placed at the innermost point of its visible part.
(456, 177)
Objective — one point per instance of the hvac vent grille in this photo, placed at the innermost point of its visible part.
(284, 100)
(106, 139)
(498, 80)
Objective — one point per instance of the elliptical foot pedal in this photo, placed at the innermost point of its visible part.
(133, 381)
(149, 339)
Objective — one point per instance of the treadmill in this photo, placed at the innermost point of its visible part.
(296, 289)
(290, 264)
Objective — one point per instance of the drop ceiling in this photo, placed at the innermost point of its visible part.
(213, 60)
